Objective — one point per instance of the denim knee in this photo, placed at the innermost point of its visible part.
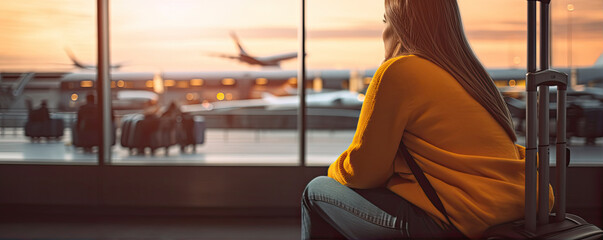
(320, 185)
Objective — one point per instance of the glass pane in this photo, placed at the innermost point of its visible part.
(344, 49)
(349, 40)
(499, 40)
(223, 64)
(38, 39)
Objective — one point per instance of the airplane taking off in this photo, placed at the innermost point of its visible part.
(81, 65)
(267, 61)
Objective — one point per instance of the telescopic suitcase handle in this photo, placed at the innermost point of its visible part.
(537, 85)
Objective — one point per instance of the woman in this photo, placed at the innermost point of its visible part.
(434, 96)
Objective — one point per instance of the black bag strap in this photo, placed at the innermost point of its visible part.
(424, 182)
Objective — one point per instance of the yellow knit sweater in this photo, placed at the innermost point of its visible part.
(476, 169)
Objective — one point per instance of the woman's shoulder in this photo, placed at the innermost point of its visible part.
(408, 67)
(409, 62)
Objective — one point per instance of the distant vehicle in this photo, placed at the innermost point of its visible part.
(131, 91)
(266, 61)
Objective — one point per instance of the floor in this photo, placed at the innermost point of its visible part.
(232, 147)
(149, 228)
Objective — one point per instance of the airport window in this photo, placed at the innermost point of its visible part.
(206, 57)
(499, 40)
(41, 43)
(341, 46)
(350, 40)
(231, 67)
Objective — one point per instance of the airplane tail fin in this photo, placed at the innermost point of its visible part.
(73, 59)
(238, 43)
(599, 61)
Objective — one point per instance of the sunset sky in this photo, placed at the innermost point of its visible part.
(179, 35)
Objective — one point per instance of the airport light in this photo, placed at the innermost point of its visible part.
(206, 104)
(228, 81)
(182, 84)
(361, 97)
(317, 84)
(149, 83)
(86, 84)
(512, 83)
(190, 96)
(158, 83)
(196, 82)
(121, 83)
(261, 81)
(74, 97)
(169, 83)
(220, 96)
(292, 80)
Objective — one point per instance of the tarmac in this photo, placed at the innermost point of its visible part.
(225, 147)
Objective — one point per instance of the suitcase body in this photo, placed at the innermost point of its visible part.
(130, 138)
(190, 131)
(589, 124)
(572, 227)
(141, 133)
(126, 121)
(53, 128)
(538, 223)
(88, 137)
(199, 130)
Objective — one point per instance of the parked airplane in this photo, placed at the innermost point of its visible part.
(244, 57)
(342, 99)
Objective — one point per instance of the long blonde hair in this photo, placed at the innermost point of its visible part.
(432, 29)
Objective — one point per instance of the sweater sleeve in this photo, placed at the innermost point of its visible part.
(369, 160)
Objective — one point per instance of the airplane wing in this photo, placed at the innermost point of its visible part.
(81, 65)
(337, 99)
(507, 74)
(76, 63)
(221, 55)
(224, 105)
(275, 59)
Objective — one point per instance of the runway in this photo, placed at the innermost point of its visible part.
(224, 147)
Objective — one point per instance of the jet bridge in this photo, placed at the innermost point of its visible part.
(9, 92)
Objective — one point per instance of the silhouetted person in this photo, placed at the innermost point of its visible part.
(43, 111)
(172, 110)
(88, 124)
(40, 114)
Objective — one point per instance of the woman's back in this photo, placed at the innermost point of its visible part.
(444, 114)
(476, 169)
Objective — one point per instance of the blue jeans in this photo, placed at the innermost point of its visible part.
(331, 210)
